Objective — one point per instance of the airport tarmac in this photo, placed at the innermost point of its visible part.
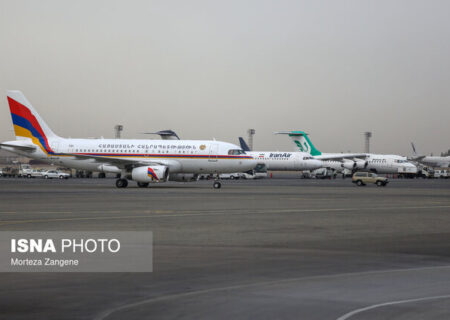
(279, 248)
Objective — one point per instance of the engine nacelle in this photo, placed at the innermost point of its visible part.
(149, 174)
(108, 168)
(354, 164)
(183, 177)
(349, 164)
(361, 164)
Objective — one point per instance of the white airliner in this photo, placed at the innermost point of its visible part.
(431, 161)
(144, 161)
(378, 163)
(283, 161)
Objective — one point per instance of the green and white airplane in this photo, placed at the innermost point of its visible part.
(378, 163)
(336, 161)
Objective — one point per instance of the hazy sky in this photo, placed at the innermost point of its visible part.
(213, 69)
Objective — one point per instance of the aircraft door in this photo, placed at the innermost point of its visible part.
(213, 150)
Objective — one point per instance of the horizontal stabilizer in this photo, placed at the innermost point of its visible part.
(165, 134)
(19, 145)
(292, 133)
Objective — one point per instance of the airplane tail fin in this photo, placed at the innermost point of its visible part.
(28, 125)
(244, 144)
(414, 149)
(302, 141)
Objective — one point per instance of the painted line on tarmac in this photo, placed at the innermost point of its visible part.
(209, 213)
(105, 314)
(389, 303)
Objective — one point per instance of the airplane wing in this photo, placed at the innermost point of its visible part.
(117, 161)
(19, 145)
(417, 158)
(341, 157)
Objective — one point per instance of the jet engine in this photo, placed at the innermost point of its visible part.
(149, 174)
(348, 164)
(183, 177)
(360, 164)
(354, 164)
(108, 168)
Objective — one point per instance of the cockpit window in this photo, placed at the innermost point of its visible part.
(308, 158)
(236, 152)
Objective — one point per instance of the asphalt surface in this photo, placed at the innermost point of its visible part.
(279, 248)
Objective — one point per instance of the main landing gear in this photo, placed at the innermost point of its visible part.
(142, 184)
(121, 183)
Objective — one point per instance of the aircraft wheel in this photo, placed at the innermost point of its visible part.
(142, 184)
(217, 185)
(121, 183)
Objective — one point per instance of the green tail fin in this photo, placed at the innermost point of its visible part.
(303, 142)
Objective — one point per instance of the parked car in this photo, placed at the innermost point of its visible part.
(55, 174)
(37, 173)
(363, 178)
(441, 173)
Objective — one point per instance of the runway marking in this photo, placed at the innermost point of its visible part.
(390, 303)
(208, 213)
(105, 314)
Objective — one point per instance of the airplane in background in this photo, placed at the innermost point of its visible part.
(143, 161)
(335, 161)
(165, 134)
(377, 163)
(283, 161)
(431, 161)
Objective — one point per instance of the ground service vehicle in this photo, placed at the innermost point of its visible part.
(25, 171)
(363, 178)
(10, 172)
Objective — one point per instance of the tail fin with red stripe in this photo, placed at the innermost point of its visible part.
(27, 122)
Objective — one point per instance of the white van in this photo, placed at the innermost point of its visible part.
(441, 173)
